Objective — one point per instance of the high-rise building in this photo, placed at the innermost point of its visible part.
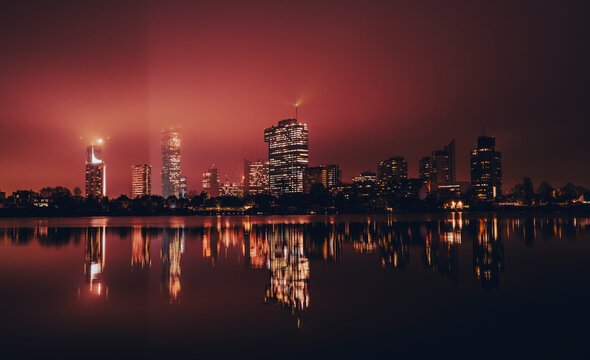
(141, 180)
(211, 182)
(394, 169)
(171, 164)
(450, 150)
(288, 156)
(255, 177)
(327, 175)
(439, 167)
(96, 184)
(486, 169)
(425, 168)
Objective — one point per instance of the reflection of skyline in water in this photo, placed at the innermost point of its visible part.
(287, 249)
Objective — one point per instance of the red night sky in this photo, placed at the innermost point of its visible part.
(374, 78)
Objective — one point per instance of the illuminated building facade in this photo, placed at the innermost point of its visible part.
(327, 175)
(141, 180)
(171, 164)
(232, 189)
(486, 169)
(288, 156)
(425, 168)
(211, 182)
(255, 177)
(393, 169)
(96, 184)
(366, 176)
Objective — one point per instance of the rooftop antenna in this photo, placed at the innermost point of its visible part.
(296, 111)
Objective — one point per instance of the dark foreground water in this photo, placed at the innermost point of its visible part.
(454, 285)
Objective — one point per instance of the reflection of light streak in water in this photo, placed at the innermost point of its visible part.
(94, 259)
(488, 252)
(172, 249)
(140, 247)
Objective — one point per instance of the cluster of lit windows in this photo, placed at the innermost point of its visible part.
(288, 156)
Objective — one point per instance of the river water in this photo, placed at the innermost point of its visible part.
(458, 285)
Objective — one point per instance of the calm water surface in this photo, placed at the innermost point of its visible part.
(325, 286)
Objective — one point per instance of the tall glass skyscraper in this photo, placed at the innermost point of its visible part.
(486, 169)
(96, 184)
(171, 175)
(288, 156)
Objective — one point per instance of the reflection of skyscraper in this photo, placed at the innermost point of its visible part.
(94, 259)
(486, 169)
(96, 184)
(255, 177)
(172, 249)
(488, 252)
(287, 156)
(255, 247)
(140, 247)
(171, 164)
(289, 269)
(141, 180)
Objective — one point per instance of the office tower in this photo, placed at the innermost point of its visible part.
(255, 177)
(450, 150)
(171, 164)
(327, 175)
(425, 169)
(394, 169)
(288, 156)
(486, 169)
(141, 180)
(211, 182)
(96, 184)
(439, 167)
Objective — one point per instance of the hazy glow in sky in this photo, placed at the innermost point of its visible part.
(374, 80)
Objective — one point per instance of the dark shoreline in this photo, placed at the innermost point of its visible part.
(51, 213)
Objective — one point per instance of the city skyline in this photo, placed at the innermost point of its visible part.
(393, 85)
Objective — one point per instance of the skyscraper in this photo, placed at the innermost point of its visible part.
(211, 182)
(486, 169)
(141, 180)
(255, 177)
(327, 175)
(288, 156)
(96, 184)
(171, 164)
(394, 169)
(450, 150)
(439, 167)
